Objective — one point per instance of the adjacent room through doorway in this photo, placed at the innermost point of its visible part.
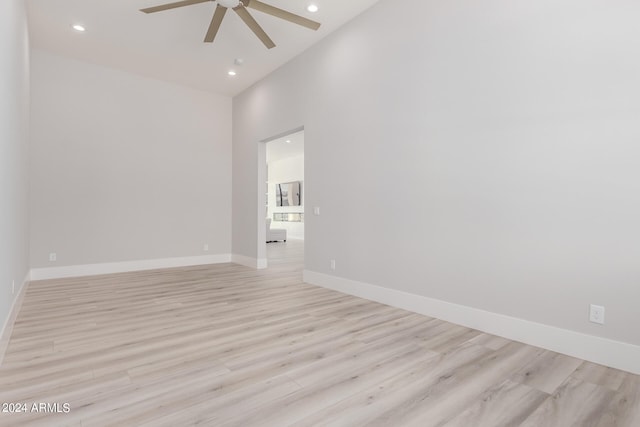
(284, 198)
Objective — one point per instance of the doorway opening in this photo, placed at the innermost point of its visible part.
(284, 191)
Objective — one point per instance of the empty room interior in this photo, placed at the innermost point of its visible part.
(313, 213)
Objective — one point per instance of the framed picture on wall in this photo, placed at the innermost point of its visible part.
(289, 194)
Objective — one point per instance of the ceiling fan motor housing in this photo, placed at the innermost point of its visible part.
(229, 4)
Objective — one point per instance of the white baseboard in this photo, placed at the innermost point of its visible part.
(258, 263)
(126, 266)
(603, 351)
(7, 328)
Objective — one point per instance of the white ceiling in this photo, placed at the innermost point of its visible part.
(288, 146)
(169, 45)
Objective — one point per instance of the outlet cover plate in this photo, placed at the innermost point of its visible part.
(596, 314)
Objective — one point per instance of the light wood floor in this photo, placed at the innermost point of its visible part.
(226, 345)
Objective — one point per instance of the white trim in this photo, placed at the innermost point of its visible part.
(595, 349)
(257, 263)
(121, 267)
(7, 328)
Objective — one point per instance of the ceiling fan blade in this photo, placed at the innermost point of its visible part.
(215, 24)
(283, 14)
(172, 5)
(255, 27)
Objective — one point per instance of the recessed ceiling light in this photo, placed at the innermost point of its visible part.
(288, 141)
(231, 73)
(79, 28)
(312, 8)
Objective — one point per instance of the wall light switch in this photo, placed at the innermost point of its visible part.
(316, 211)
(333, 264)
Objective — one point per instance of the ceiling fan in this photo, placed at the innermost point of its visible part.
(240, 7)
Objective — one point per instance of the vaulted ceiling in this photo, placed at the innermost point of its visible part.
(169, 45)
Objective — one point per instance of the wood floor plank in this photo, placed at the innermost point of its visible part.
(491, 341)
(624, 411)
(600, 375)
(504, 405)
(226, 345)
(373, 404)
(575, 403)
(547, 371)
(339, 386)
(453, 392)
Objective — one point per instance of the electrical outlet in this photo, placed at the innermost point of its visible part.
(316, 211)
(596, 314)
(53, 257)
(333, 264)
(205, 247)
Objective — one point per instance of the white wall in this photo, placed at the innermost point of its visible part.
(286, 170)
(485, 153)
(14, 185)
(124, 167)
